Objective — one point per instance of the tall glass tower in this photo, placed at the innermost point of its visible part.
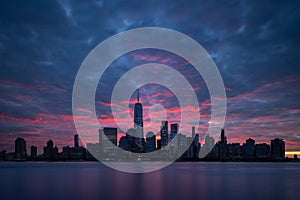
(164, 133)
(138, 120)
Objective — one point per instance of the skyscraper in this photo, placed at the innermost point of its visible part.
(164, 133)
(111, 134)
(20, 149)
(277, 148)
(262, 150)
(222, 145)
(150, 142)
(138, 120)
(109, 150)
(174, 131)
(249, 148)
(50, 152)
(193, 131)
(208, 148)
(33, 151)
(223, 137)
(76, 141)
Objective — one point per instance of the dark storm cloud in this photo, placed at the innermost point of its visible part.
(254, 44)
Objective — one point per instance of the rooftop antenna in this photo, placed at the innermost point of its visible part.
(138, 95)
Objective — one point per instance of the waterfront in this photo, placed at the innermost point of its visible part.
(92, 180)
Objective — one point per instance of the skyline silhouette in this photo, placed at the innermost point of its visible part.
(221, 150)
(255, 50)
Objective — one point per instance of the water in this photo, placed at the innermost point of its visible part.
(76, 181)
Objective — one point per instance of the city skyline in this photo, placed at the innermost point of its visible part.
(164, 135)
(149, 100)
(254, 45)
(173, 145)
(247, 150)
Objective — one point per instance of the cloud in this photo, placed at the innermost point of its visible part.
(254, 45)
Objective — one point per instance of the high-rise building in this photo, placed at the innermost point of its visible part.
(150, 142)
(277, 148)
(233, 150)
(222, 146)
(174, 131)
(33, 152)
(196, 146)
(182, 144)
(50, 144)
(158, 144)
(223, 137)
(164, 133)
(173, 148)
(209, 141)
(193, 131)
(123, 143)
(20, 149)
(50, 152)
(111, 134)
(109, 142)
(249, 148)
(131, 136)
(262, 150)
(138, 121)
(76, 141)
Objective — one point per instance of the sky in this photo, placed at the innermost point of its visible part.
(254, 44)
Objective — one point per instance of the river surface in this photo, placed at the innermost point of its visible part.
(194, 180)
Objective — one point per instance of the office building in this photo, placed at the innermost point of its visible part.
(109, 142)
(33, 152)
(249, 148)
(138, 121)
(76, 141)
(164, 134)
(277, 148)
(222, 146)
(174, 131)
(262, 150)
(20, 149)
(150, 142)
(50, 152)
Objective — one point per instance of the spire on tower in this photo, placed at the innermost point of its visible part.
(138, 95)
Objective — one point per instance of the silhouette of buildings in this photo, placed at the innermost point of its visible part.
(150, 142)
(50, 152)
(262, 150)
(173, 150)
(195, 145)
(164, 135)
(277, 148)
(234, 150)
(208, 150)
(249, 148)
(33, 152)
(172, 145)
(188, 146)
(158, 142)
(174, 131)
(138, 121)
(20, 149)
(123, 143)
(109, 141)
(249, 151)
(76, 141)
(222, 146)
(131, 136)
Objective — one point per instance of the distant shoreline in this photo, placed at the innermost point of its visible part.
(145, 161)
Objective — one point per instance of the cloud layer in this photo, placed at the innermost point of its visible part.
(255, 46)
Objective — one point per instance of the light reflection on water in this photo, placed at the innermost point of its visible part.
(178, 181)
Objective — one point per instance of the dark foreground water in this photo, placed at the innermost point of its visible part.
(74, 181)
